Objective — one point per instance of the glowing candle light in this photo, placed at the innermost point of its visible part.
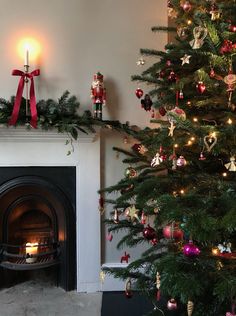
(31, 249)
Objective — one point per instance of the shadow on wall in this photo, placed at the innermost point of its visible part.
(113, 99)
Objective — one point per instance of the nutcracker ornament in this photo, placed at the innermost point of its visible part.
(98, 95)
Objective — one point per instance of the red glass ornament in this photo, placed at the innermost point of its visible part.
(191, 250)
(143, 218)
(226, 47)
(173, 231)
(201, 87)
(162, 74)
(202, 157)
(172, 304)
(186, 6)
(232, 28)
(154, 241)
(162, 111)
(139, 93)
(149, 233)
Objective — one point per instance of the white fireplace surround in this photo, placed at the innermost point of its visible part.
(22, 147)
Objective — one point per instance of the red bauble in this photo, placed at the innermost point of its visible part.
(173, 231)
(200, 87)
(226, 47)
(162, 74)
(162, 111)
(172, 304)
(232, 28)
(149, 233)
(139, 93)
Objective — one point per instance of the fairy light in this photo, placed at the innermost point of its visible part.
(229, 121)
(189, 22)
(192, 139)
(190, 143)
(176, 145)
(215, 251)
(195, 119)
(182, 191)
(224, 174)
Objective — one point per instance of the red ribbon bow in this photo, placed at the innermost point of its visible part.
(16, 108)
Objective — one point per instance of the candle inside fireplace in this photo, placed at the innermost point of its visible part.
(31, 249)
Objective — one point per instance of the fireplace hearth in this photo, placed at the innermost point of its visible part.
(38, 223)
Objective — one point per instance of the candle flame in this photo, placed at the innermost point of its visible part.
(31, 45)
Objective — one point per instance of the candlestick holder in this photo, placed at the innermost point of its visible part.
(26, 68)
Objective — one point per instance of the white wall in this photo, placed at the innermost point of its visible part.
(79, 38)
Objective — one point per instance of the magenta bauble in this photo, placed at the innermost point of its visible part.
(186, 6)
(191, 250)
(173, 231)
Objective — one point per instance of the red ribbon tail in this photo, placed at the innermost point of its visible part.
(33, 108)
(17, 103)
(158, 295)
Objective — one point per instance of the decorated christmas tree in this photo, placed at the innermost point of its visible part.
(178, 194)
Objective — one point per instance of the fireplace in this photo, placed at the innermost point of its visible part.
(38, 223)
(49, 218)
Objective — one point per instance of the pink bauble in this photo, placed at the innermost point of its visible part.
(172, 304)
(191, 250)
(181, 161)
(173, 232)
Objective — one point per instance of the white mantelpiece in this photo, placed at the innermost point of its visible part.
(22, 147)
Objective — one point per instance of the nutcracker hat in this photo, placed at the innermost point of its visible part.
(98, 76)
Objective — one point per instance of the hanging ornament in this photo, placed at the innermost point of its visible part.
(125, 257)
(158, 285)
(109, 236)
(149, 233)
(172, 77)
(232, 313)
(200, 87)
(199, 34)
(162, 74)
(191, 250)
(231, 166)
(132, 213)
(227, 47)
(127, 189)
(210, 141)
(172, 231)
(146, 102)
(181, 94)
(172, 304)
(182, 32)
(185, 59)
(179, 113)
(130, 172)
(157, 160)
(139, 148)
(162, 111)
(143, 218)
(230, 80)
(190, 307)
(232, 28)
(139, 93)
(225, 247)
(128, 289)
(181, 161)
(140, 62)
(116, 217)
(215, 12)
(212, 73)
(202, 157)
(168, 63)
(186, 5)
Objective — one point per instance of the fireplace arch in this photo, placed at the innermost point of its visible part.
(35, 209)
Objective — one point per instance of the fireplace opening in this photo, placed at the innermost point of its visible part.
(37, 220)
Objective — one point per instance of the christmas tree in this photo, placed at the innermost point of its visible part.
(178, 194)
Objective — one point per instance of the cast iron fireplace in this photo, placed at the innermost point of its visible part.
(38, 224)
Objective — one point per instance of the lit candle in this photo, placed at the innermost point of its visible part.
(27, 57)
(31, 249)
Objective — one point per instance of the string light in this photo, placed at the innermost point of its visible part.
(176, 145)
(190, 143)
(224, 174)
(195, 119)
(215, 251)
(192, 139)
(189, 22)
(229, 121)
(182, 191)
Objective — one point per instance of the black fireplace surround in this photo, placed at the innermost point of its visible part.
(38, 204)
